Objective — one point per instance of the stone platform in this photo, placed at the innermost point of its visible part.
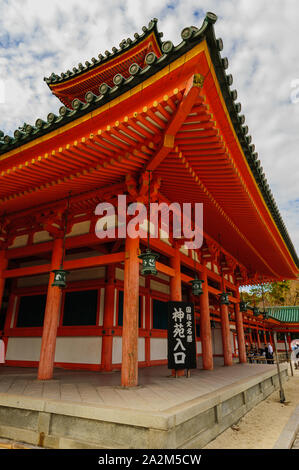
(90, 410)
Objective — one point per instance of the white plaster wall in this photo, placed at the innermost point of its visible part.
(117, 350)
(157, 286)
(19, 241)
(162, 276)
(31, 281)
(80, 228)
(158, 348)
(23, 349)
(79, 350)
(198, 347)
(86, 274)
(42, 236)
(115, 303)
(119, 275)
(217, 340)
(102, 303)
(141, 349)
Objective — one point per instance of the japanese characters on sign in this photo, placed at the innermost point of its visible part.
(181, 336)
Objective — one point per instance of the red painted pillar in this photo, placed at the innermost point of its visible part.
(3, 266)
(205, 325)
(51, 320)
(250, 339)
(107, 338)
(147, 321)
(240, 334)
(226, 339)
(258, 339)
(129, 369)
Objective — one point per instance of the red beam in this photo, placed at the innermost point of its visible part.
(29, 271)
(94, 261)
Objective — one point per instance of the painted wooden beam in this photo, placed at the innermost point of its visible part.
(191, 95)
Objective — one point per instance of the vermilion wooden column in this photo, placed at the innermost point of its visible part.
(3, 266)
(205, 325)
(51, 319)
(226, 340)
(147, 339)
(107, 338)
(240, 334)
(258, 339)
(129, 368)
(176, 286)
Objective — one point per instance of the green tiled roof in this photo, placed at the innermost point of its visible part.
(284, 314)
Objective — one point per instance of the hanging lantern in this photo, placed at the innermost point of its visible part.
(59, 278)
(148, 257)
(148, 262)
(60, 274)
(197, 286)
(224, 298)
(243, 306)
(213, 324)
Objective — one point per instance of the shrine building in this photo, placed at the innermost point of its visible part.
(156, 122)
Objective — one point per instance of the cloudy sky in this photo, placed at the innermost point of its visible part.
(38, 37)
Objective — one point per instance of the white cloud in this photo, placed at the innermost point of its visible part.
(260, 40)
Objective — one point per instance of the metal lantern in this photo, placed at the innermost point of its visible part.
(224, 298)
(60, 274)
(243, 306)
(148, 257)
(197, 286)
(59, 278)
(148, 262)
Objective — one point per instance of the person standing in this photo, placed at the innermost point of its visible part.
(270, 354)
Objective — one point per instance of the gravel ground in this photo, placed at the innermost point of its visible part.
(261, 427)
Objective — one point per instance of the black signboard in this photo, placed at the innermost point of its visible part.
(181, 336)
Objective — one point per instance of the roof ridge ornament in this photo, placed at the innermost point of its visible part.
(211, 17)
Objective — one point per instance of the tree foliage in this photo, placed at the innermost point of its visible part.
(275, 293)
